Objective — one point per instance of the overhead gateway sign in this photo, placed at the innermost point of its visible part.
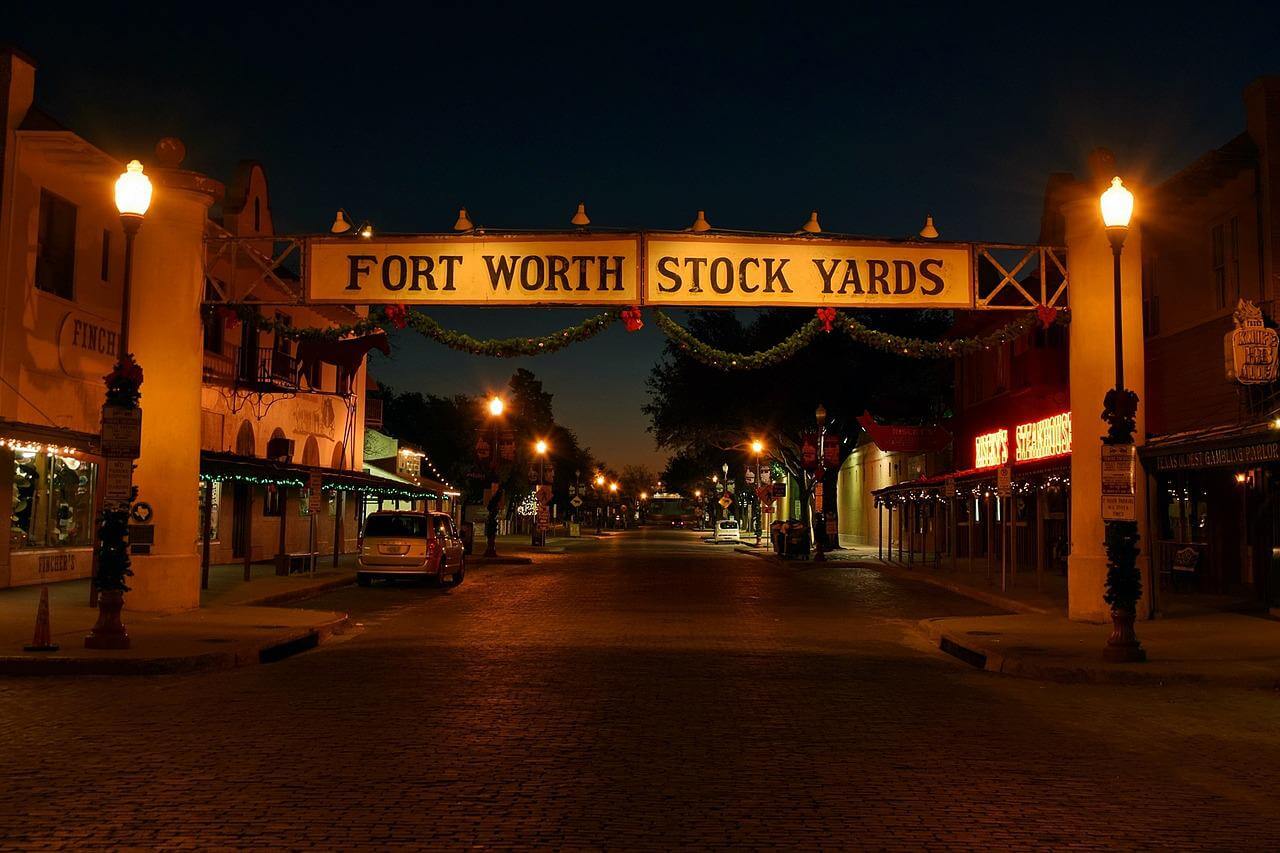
(483, 269)
(690, 270)
(713, 271)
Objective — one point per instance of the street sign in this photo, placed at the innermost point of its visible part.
(1118, 500)
(726, 501)
(315, 500)
(817, 496)
(121, 432)
(117, 485)
(949, 487)
(779, 490)
(750, 477)
(575, 502)
(1004, 481)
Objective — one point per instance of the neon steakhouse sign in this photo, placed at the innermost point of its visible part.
(1040, 439)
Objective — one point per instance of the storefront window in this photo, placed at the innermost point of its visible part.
(52, 501)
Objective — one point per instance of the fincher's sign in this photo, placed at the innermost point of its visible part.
(674, 269)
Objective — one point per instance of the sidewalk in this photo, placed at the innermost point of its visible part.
(1230, 649)
(1019, 595)
(235, 626)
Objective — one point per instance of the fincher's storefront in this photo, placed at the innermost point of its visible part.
(1007, 517)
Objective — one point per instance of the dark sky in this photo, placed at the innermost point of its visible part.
(872, 113)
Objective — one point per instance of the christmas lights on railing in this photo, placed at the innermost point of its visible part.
(23, 446)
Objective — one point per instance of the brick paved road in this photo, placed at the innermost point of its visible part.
(647, 692)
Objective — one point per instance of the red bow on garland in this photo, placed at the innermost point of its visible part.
(397, 315)
(827, 316)
(1047, 314)
(631, 319)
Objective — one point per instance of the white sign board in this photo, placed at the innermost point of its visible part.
(1118, 500)
(121, 432)
(117, 480)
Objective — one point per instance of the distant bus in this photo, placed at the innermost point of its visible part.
(672, 510)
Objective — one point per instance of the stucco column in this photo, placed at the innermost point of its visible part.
(165, 336)
(1092, 354)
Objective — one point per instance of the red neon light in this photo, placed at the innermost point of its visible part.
(1042, 439)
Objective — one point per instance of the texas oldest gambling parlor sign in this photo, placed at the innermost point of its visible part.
(677, 269)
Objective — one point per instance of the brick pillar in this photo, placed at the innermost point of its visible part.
(1089, 273)
(165, 336)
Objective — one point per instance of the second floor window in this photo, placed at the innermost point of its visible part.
(1224, 239)
(56, 246)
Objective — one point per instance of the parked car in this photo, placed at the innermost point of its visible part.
(726, 530)
(407, 545)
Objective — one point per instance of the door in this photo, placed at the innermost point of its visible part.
(241, 518)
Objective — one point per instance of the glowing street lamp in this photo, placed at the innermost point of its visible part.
(539, 531)
(757, 447)
(1120, 409)
(133, 198)
(495, 407)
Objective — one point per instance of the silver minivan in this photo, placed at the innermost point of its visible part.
(406, 545)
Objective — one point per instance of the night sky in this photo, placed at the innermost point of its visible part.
(874, 116)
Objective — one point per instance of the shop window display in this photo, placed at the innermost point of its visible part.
(52, 501)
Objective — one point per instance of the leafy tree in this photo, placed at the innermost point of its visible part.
(704, 414)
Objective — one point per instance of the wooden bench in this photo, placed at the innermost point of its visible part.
(296, 562)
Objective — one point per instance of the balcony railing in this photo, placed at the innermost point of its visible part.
(373, 412)
(266, 369)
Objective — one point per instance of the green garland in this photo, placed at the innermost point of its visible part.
(726, 360)
(855, 329)
(508, 347)
(592, 326)
(424, 325)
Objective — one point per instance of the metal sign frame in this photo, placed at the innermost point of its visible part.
(1003, 276)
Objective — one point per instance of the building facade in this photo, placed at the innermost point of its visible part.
(240, 424)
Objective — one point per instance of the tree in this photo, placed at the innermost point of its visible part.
(447, 428)
(703, 413)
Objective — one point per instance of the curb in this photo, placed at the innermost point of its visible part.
(250, 653)
(980, 656)
(300, 594)
(500, 561)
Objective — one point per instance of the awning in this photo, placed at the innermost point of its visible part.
(1056, 470)
(224, 467)
(17, 433)
(1239, 445)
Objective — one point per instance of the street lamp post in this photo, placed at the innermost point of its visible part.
(1120, 409)
(495, 407)
(613, 496)
(757, 447)
(539, 533)
(820, 415)
(133, 198)
(599, 504)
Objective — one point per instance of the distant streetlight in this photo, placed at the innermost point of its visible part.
(540, 448)
(820, 415)
(757, 447)
(496, 407)
(1120, 410)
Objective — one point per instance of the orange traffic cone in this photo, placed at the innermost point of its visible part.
(42, 641)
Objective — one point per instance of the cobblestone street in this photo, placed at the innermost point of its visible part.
(646, 690)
